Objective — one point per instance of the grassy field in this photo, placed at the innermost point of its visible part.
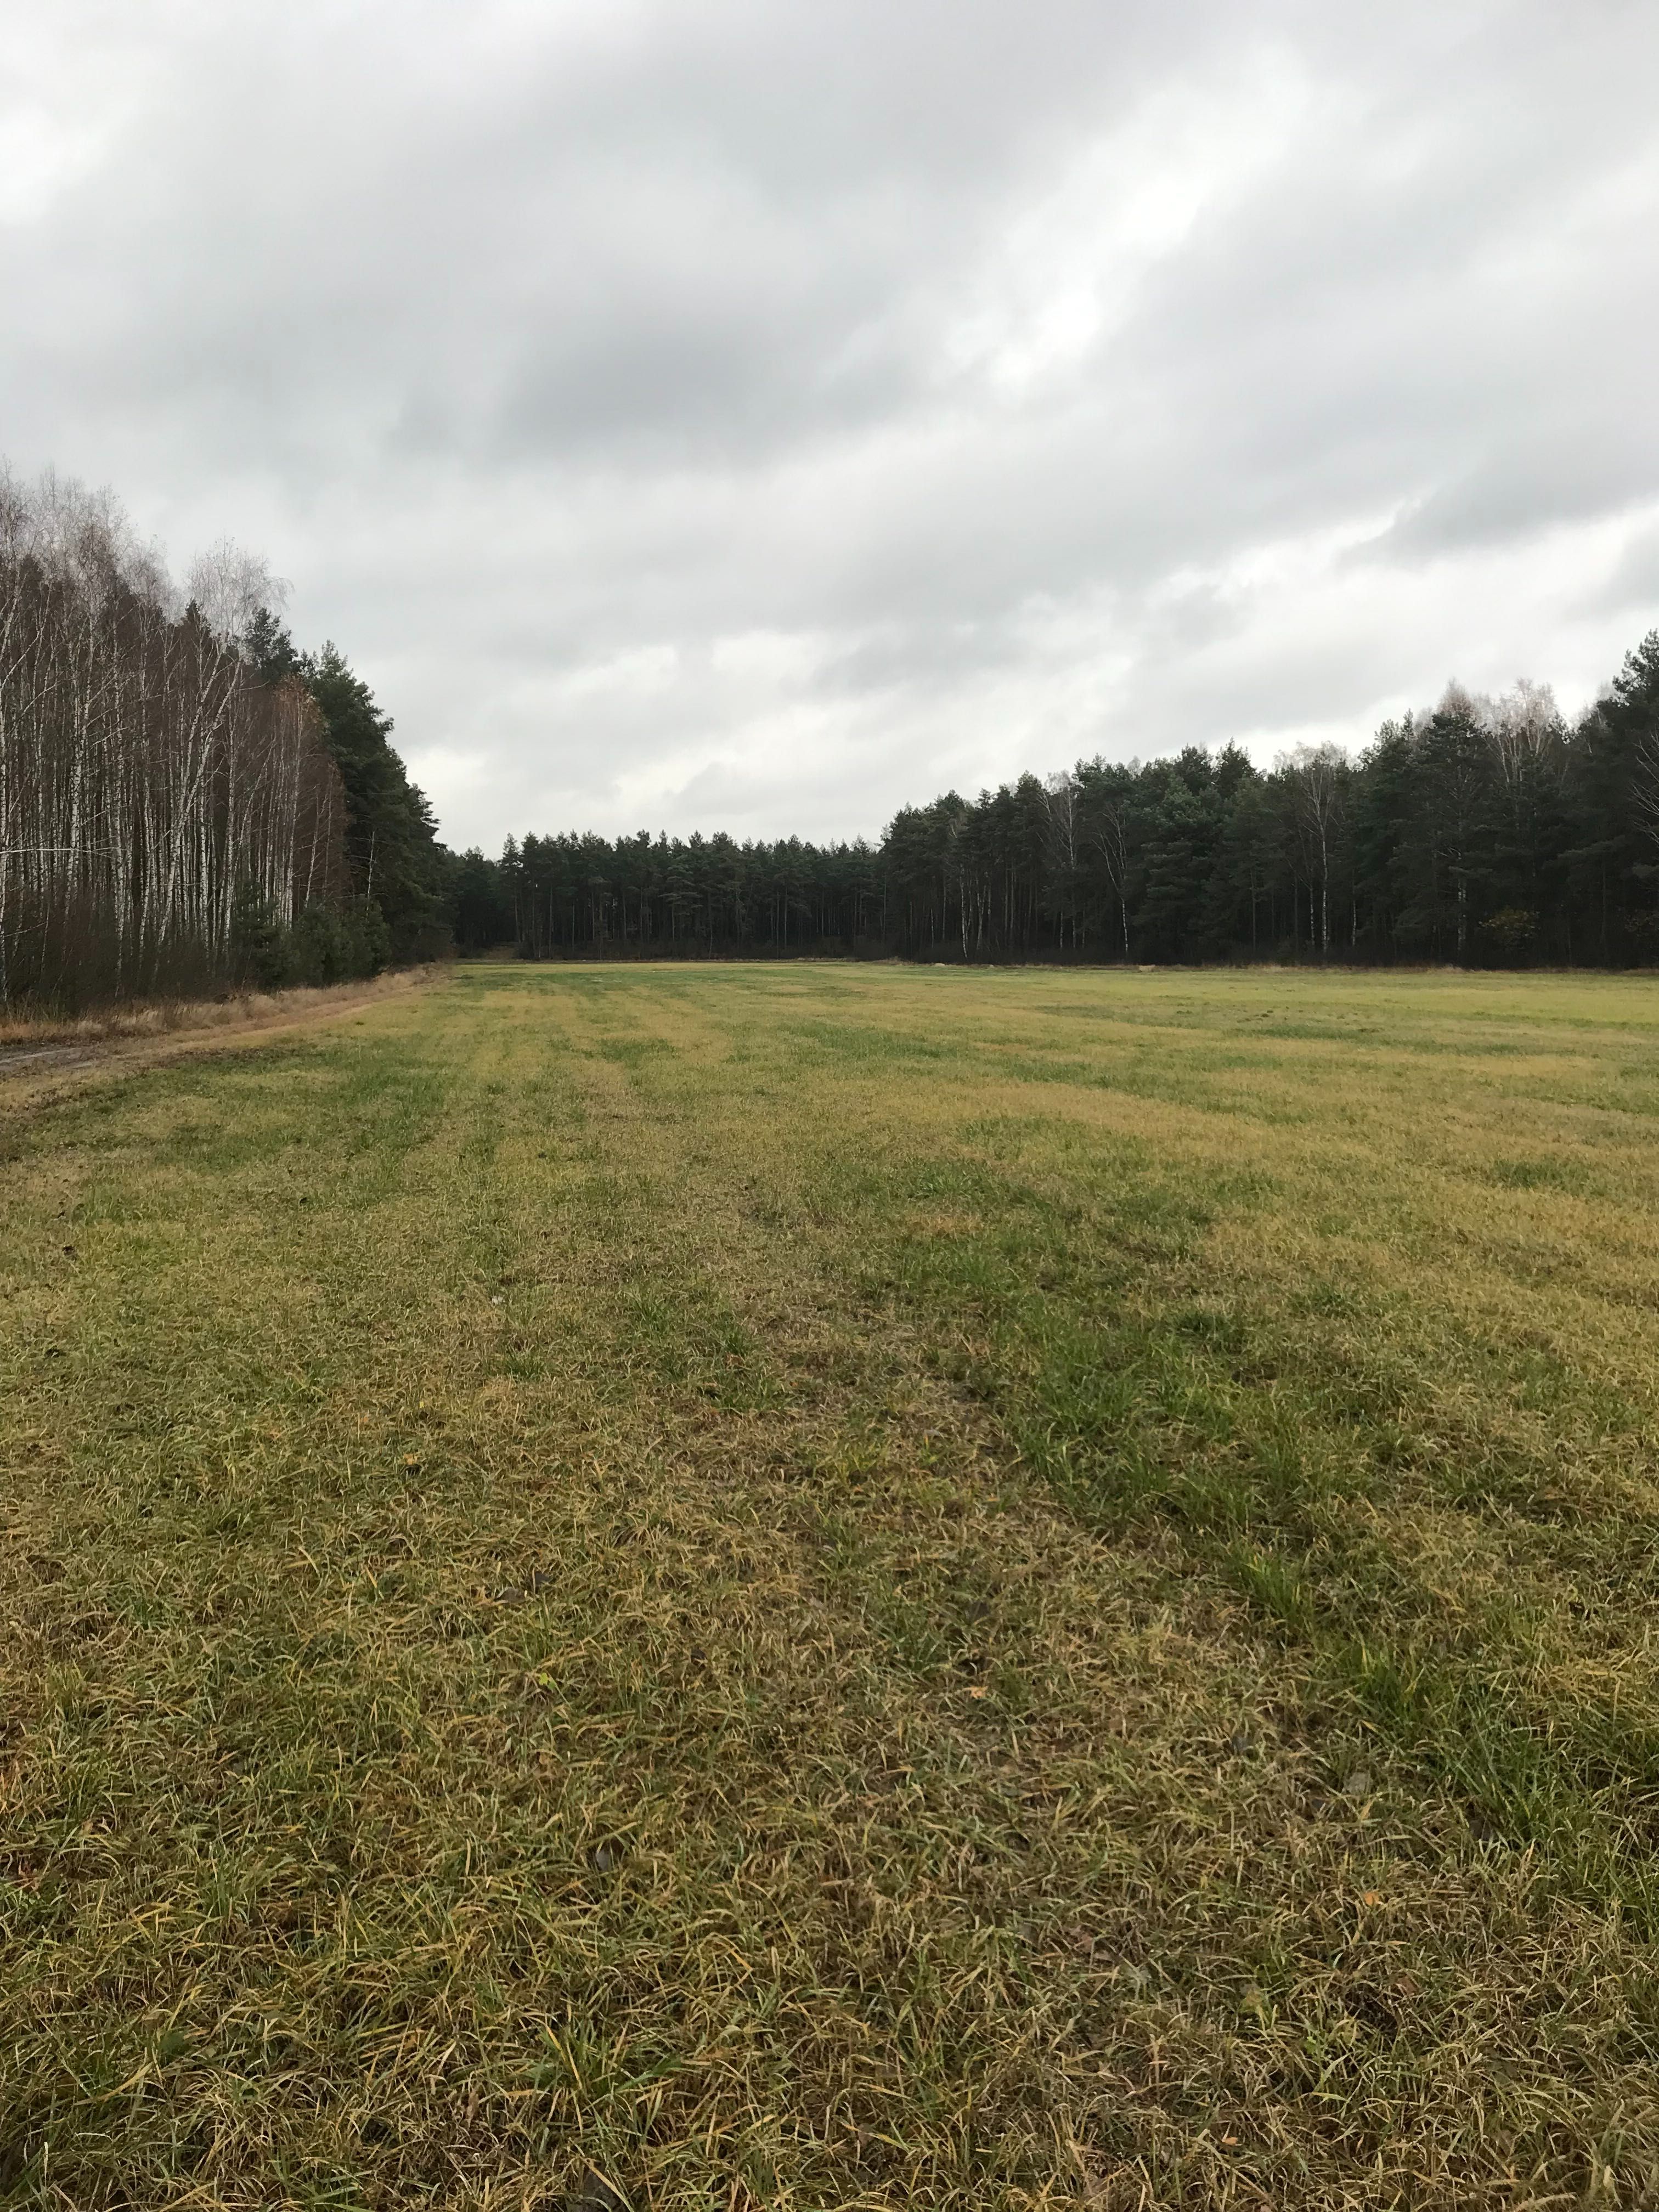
(822, 1587)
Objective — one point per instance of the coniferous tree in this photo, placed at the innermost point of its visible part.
(397, 865)
(1483, 832)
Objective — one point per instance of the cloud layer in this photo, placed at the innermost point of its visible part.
(762, 416)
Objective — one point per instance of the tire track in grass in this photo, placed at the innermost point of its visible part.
(596, 1690)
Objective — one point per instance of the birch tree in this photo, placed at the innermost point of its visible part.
(146, 773)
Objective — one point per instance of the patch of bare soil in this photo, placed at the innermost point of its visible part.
(152, 1035)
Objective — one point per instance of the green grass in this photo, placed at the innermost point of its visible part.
(820, 1586)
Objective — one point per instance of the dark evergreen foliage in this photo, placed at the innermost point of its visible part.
(408, 889)
(1485, 833)
(480, 902)
(391, 841)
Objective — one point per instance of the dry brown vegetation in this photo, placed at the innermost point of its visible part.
(819, 1586)
(44, 1042)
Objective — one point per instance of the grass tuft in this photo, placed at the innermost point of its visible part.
(829, 1586)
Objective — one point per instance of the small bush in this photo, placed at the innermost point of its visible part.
(324, 945)
(261, 950)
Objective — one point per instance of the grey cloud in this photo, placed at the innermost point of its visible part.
(533, 344)
(1633, 584)
(1532, 485)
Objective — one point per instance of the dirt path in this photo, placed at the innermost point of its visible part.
(19, 1059)
(27, 1066)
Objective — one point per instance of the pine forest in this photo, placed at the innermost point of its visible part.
(188, 802)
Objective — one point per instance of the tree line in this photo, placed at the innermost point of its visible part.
(185, 801)
(188, 801)
(1484, 832)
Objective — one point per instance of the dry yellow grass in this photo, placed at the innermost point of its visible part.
(38, 1051)
(816, 1586)
(160, 1018)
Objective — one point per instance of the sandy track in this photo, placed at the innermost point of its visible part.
(26, 1067)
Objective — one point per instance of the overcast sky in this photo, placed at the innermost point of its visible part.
(758, 416)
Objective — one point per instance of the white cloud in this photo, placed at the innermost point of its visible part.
(1064, 269)
(766, 416)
